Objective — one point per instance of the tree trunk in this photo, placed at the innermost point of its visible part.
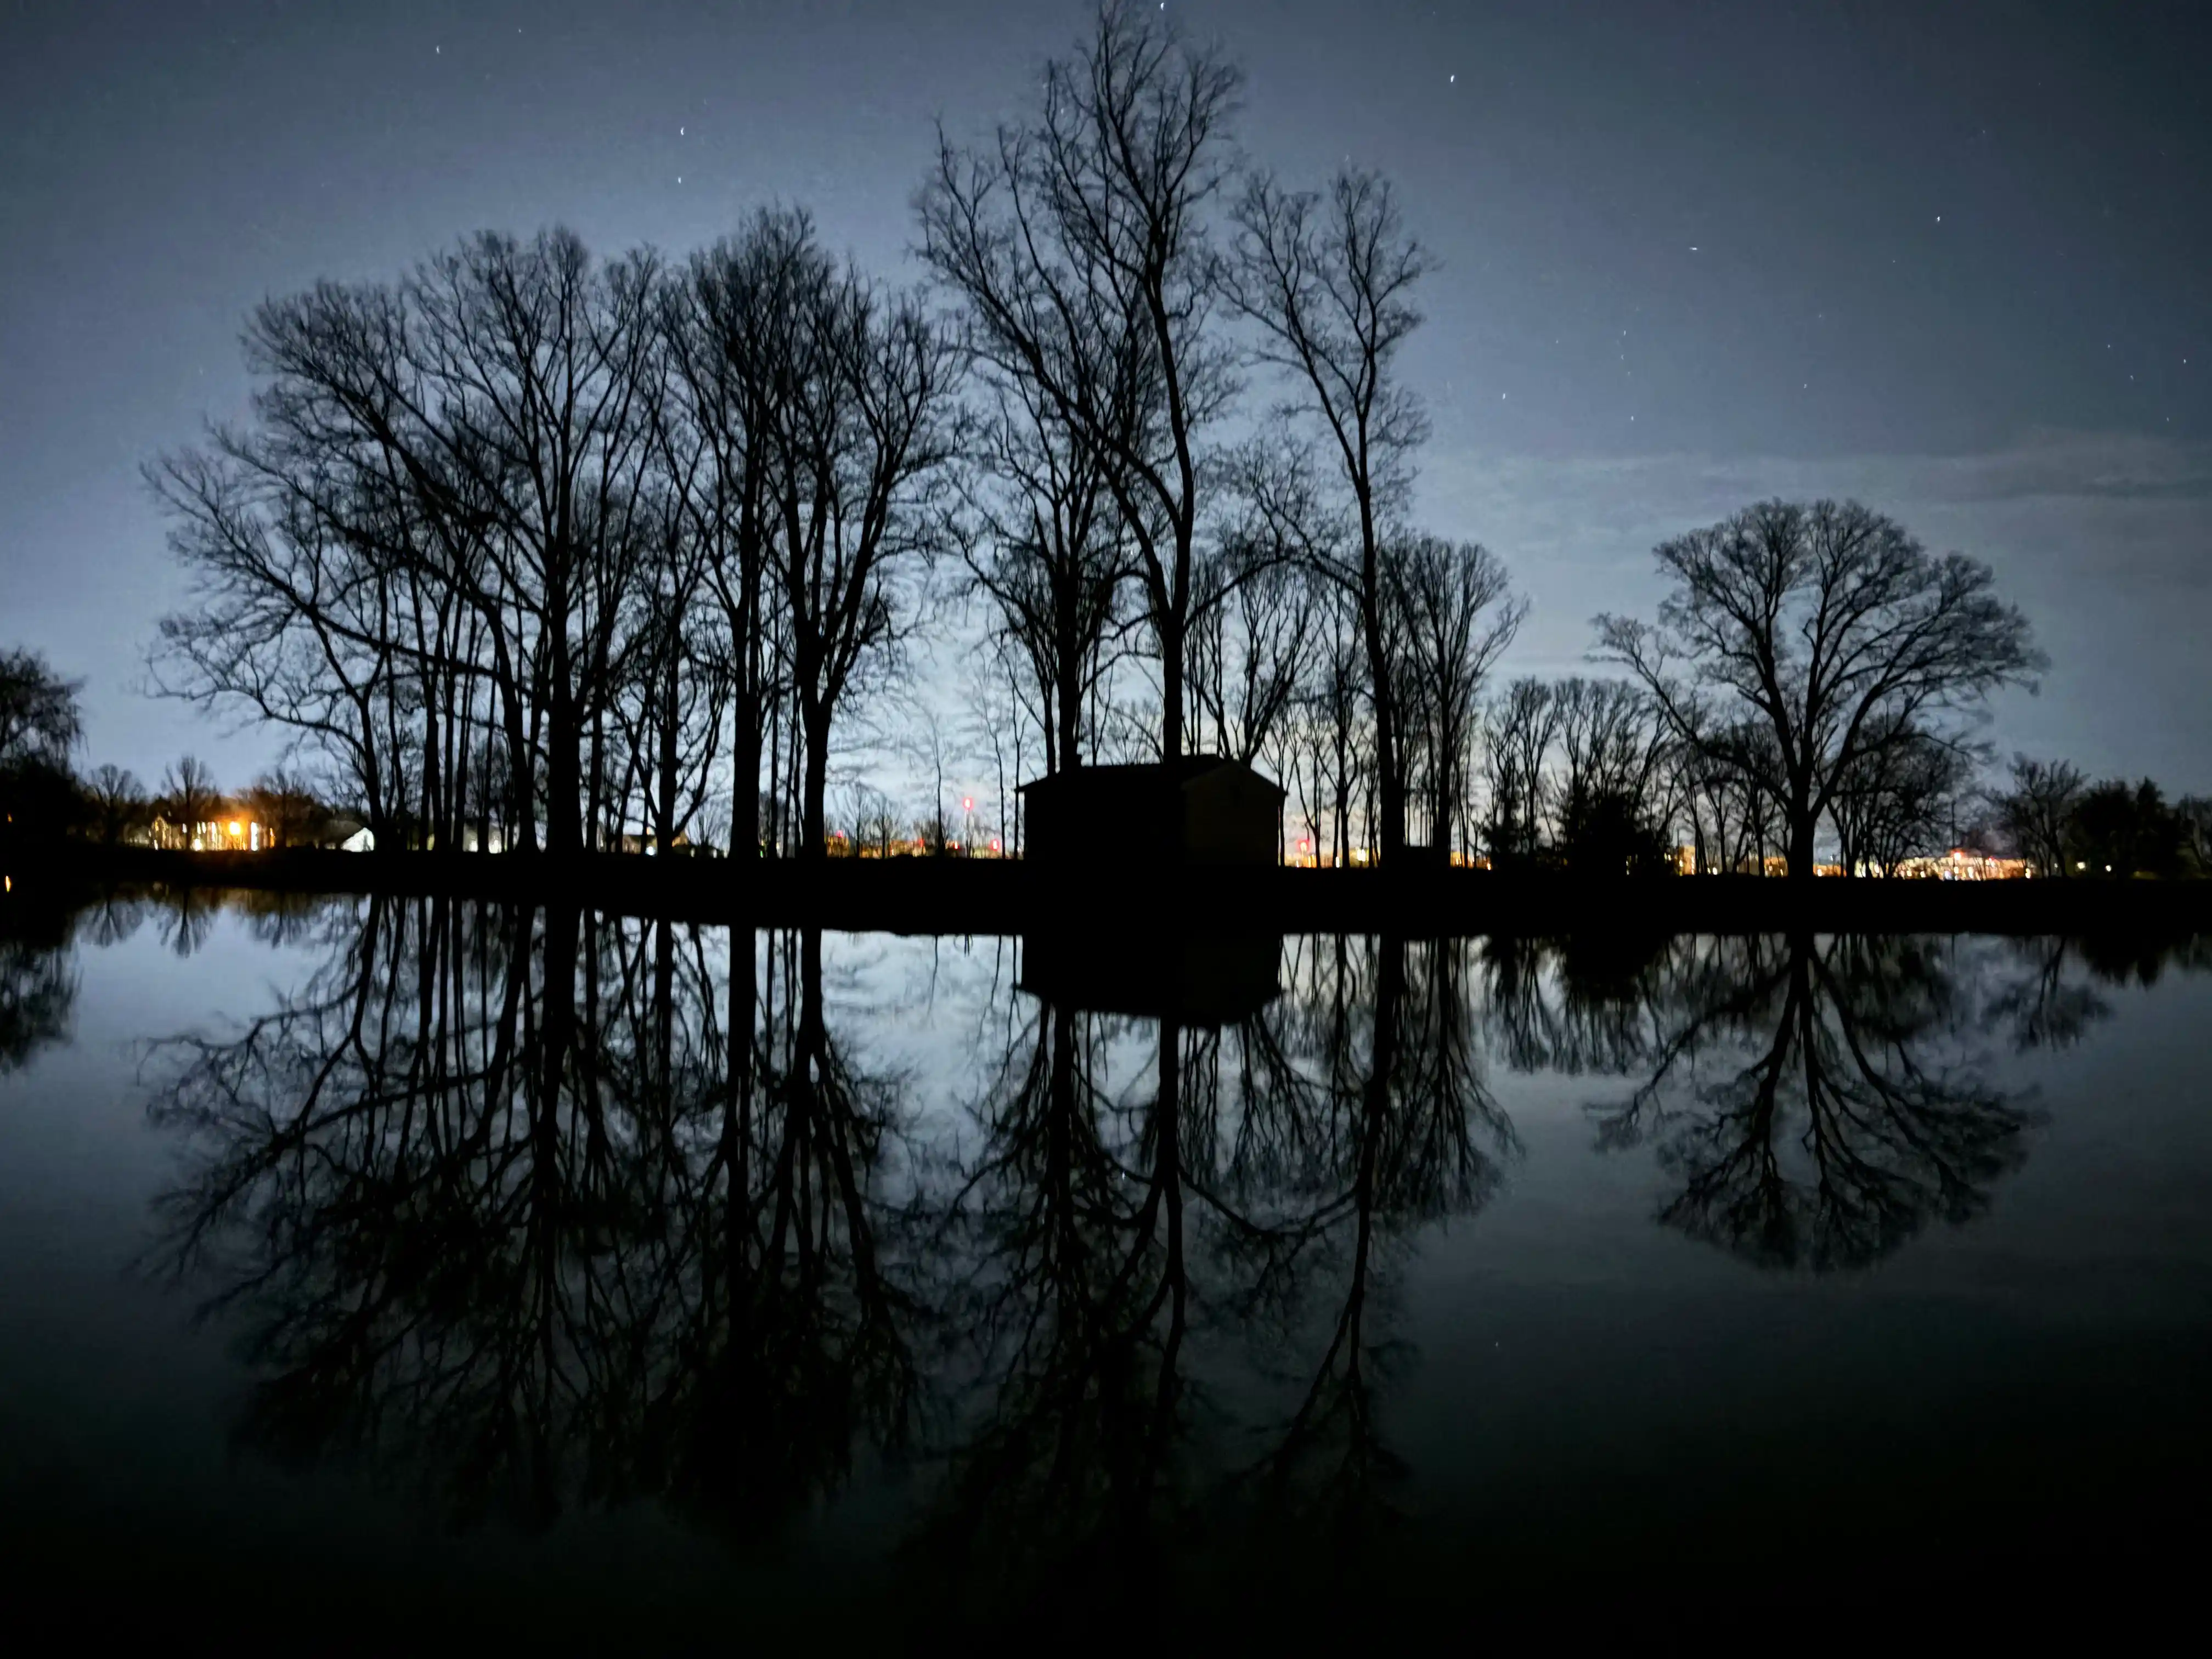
(1390, 779)
(744, 789)
(665, 831)
(814, 826)
(1171, 667)
(1801, 827)
(564, 782)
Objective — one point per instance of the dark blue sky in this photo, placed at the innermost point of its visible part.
(1958, 265)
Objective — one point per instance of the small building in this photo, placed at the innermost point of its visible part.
(224, 827)
(1199, 809)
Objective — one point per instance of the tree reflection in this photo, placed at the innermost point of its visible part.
(37, 992)
(499, 1197)
(1249, 1186)
(537, 1209)
(1405, 1131)
(1817, 1101)
(792, 1329)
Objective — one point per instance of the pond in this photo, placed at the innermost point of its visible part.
(381, 1259)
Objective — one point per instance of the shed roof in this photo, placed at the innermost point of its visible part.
(1182, 770)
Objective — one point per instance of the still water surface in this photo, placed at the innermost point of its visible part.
(401, 1257)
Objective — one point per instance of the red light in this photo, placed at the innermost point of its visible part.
(968, 802)
(994, 844)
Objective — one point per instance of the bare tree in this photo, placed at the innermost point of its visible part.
(1048, 549)
(1454, 616)
(994, 731)
(284, 805)
(1900, 801)
(422, 553)
(39, 718)
(188, 794)
(863, 434)
(735, 324)
(1079, 246)
(540, 367)
(1614, 746)
(1329, 283)
(1328, 755)
(291, 620)
(1827, 630)
(2037, 811)
(1524, 725)
(1246, 648)
(118, 802)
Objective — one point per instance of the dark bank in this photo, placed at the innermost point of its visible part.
(954, 896)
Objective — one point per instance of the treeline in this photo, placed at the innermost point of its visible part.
(533, 550)
(43, 796)
(2067, 826)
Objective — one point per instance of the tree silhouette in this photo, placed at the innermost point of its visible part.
(1798, 642)
(39, 717)
(1329, 284)
(1078, 245)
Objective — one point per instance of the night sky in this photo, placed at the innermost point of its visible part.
(1691, 255)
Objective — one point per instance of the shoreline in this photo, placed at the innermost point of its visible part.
(988, 896)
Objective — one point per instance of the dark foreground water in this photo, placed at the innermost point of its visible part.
(366, 1263)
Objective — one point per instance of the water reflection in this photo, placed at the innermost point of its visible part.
(1816, 1102)
(1247, 1186)
(525, 1201)
(537, 1209)
(37, 991)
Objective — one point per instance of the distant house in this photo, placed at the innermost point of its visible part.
(223, 826)
(1201, 809)
(1963, 864)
